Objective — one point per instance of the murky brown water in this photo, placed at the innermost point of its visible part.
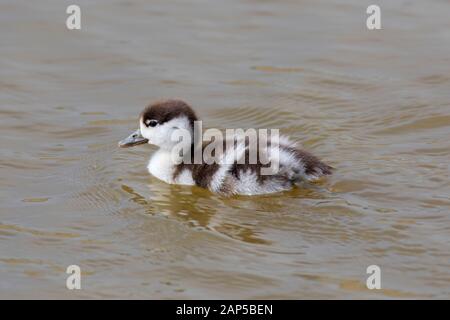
(374, 104)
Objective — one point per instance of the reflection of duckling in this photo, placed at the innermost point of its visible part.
(159, 121)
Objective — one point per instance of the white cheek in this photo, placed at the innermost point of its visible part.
(161, 135)
(146, 132)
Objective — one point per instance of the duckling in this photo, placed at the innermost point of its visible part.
(232, 174)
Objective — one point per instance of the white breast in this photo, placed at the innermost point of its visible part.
(185, 177)
(162, 167)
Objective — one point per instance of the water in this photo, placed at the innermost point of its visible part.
(374, 104)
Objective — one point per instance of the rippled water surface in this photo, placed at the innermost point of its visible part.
(374, 104)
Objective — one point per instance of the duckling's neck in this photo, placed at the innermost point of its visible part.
(162, 166)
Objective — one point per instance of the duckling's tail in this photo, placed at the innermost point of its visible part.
(301, 165)
(313, 168)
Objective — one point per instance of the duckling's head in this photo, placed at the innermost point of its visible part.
(158, 123)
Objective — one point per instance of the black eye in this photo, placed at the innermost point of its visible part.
(151, 123)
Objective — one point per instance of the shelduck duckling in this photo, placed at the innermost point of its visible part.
(227, 171)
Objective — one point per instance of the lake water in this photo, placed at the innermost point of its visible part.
(373, 104)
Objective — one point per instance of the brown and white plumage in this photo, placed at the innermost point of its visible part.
(232, 174)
